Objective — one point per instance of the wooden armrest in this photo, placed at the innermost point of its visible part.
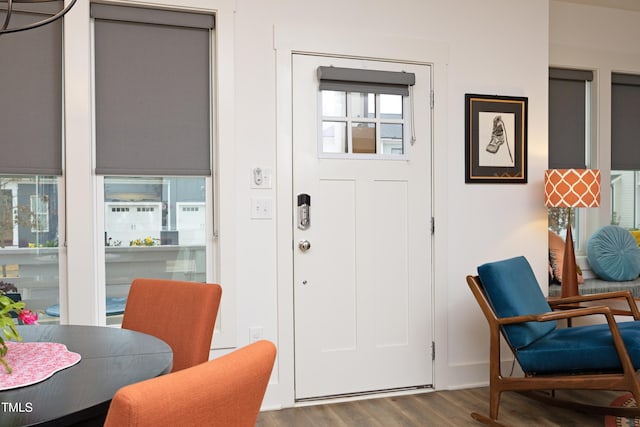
(568, 302)
(591, 297)
(557, 315)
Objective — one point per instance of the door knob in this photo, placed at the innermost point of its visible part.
(304, 245)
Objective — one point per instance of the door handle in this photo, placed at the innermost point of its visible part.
(304, 245)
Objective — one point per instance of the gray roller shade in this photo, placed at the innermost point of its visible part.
(625, 121)
(152, 91)
(152, 16)
(31, 98)
(567, 118)
(365, 81)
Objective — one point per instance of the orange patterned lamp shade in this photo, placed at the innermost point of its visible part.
(572, 188)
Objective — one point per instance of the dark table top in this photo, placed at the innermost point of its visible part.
(80, 394)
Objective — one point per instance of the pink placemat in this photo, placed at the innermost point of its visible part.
(33, 362)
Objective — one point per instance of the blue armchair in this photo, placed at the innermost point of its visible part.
(592, 357)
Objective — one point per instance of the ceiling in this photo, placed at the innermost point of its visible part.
(615, 4)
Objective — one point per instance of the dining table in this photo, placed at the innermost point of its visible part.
(79, 395)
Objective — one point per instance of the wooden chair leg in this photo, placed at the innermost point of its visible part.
(486, 420)
(494, 403)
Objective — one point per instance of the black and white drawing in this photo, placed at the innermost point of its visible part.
(497, 130)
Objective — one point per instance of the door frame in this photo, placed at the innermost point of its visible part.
(370, 46)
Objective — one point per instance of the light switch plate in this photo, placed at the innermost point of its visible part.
(261, 208)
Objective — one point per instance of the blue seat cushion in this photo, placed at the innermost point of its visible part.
(613, 254)
(580, 349)
(512, 290)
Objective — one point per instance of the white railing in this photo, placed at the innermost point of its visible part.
(35, 271)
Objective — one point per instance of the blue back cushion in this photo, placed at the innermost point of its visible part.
(613, 254)
(512, 289)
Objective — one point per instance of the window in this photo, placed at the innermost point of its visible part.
(146, 234)
(153, 143)
(363, 123)
(625, 152)
(569, 137)
(29, 249)
(31, 163)
(364, 113)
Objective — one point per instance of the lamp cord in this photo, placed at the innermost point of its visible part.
(412, 116)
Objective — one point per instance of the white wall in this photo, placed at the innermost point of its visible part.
(479, 46)
(493, 47)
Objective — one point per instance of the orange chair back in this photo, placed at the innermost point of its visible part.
(182, 314)
(227, 391)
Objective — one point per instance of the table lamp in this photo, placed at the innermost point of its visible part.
(571, 188)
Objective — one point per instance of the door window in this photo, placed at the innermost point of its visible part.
(359, 124)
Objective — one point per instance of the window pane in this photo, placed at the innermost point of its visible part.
(334, 104)
(40, 210)
(392, 136)
(369, 123)
(154, 227)
(334, 137)
(625, 202)
(363, 105)
(390, 106)
(364, 137)
(29, 241)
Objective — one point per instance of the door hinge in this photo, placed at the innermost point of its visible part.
(433, 226)
(433, 350)
(431, 100)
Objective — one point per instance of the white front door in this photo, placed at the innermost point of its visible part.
(362, 267)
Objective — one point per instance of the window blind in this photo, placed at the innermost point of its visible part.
(31, 98)
(567, 118)
(152, 91)
(365, 81)
(625, 126)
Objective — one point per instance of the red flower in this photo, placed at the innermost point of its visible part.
(28, 317)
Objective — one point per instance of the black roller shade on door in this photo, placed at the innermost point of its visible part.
(365, 81)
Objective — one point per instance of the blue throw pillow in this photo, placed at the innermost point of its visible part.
(613, 254)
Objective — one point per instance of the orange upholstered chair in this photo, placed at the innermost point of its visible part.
(182, 314)
(226, 391)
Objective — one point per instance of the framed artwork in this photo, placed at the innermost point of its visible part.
(496, 139)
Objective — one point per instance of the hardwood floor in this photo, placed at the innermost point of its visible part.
(443, 408)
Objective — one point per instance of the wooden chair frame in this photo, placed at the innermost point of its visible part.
(626, 380)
